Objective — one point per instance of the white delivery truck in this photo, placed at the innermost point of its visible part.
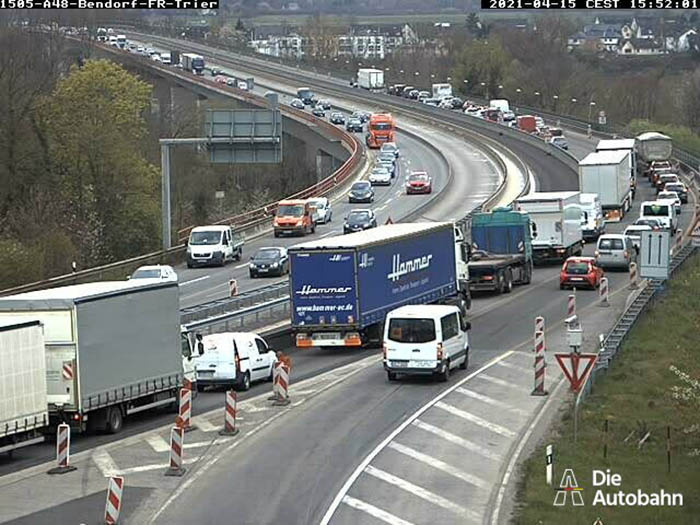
(592, 220)
(371, 79)
(24, 413)
(607, 173)
(623, 145)
(113, 348)
(166, 59)
(555, 219)
(442, 91)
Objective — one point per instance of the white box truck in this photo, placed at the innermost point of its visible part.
(442, 91)
(623, 145)
(555, 219)
(371, 79)
(113, 348)
(24, 411)
(607, 173)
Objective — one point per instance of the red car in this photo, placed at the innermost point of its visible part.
(579, 272)
(419, 182)
(220, 79)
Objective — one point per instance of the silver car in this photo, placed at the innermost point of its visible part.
(614, 251)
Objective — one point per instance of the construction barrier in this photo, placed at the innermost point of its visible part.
(539, 324)
(549, 464)
(62, 451)
(539, 366)
(280, 385)
(184, 416)
(233, 287)
(114, 500)
(177, 442)
(187, 384)
(634, 277)
(678, 246)
(603, 292)
(571, 306)
(230, 414)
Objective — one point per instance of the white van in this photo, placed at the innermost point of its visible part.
(661, 210)
(213, 245)
(592, 219)
(615, 251)
(234, 359)
(425, 340)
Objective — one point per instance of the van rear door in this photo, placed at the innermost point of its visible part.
(218, 363)
(411, 342)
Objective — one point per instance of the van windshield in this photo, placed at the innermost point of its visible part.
(412, 330)
(655, 210)
(610, 244)
(205, 238)
(290, 210)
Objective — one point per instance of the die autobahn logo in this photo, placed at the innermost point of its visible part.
(609, 493)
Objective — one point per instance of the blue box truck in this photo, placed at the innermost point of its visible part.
(342, 287)
(501, 250)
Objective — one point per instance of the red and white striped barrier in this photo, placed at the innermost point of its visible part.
(280, 386)
(539, 324)
(603, 292)
(67, 371)
(231, 411)
(114, 500)
(571, 305)
(187, 384)
(233, 287)
(539, 366)
(634, 276)
(678, 246)
(184, 416)
(177, 446)
(62, 451)
(539, 341)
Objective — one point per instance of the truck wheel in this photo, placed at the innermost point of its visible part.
(443, 377)
(277, 234)
(528, 273)
(391, 376)
(465, 364)
(508, 285)
(499, 284)
(244, 384)
(189, 264)
(115, 420)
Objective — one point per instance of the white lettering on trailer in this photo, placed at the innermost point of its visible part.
(307, 289)
(400, 268)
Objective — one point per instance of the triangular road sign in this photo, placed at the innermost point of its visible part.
(571, 366)
(389, 221)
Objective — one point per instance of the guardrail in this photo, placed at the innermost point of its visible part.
(247, 223)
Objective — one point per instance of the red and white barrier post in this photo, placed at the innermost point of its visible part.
(233, 287)
(539, 365)
(187, 384)
(62, 451)
(678, 246)
(571, 305)
(634, 276)
(114, 500)
(177, 445)
(539, 324)
(231, 411)
(281, 386)
(603, 292)
(184, 416)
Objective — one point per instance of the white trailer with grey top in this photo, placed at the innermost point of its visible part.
(607, 173)
(24, 414)
(112, 348)
(628, 145)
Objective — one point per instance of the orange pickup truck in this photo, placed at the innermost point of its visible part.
(294, 217)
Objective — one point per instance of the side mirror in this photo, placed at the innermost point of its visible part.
(468, 326)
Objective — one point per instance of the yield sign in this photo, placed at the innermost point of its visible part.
(571, 366)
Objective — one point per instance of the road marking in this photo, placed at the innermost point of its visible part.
(422, 493)
(105, 463)
(493, 427)
(385, 206)
(157, 443)
(195, 280)
(389, 200)
(241, 266)
(440, 465)
(472, 447)
(491, 401)
(205, 425)
(499, 382)
(158, 466)
(327, 234)
(519, 368)
(342, 493)
(376, 512)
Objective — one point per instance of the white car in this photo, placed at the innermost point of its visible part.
(322, 211)
(162, 272)
(380, 175)
(634, 232)
(390, 147)
(670, 196)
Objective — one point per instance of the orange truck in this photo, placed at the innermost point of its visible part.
(381, 129)
(294, 217)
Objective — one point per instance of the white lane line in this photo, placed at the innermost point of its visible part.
(375, 512)
(389, 200)
(500, 382)
(200, 444)
(386, 205)
(387, 440)
(422, 493)
(327, 234)
(472, 447)
(157, 443)
(241, 266)
(491, 401)
(195, 280)
(158, 466)
(493, 427)
(440, 465)
(519, 368)
(205, 425)
(105, 463)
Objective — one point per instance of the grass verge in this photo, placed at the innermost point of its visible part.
(637, 396)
